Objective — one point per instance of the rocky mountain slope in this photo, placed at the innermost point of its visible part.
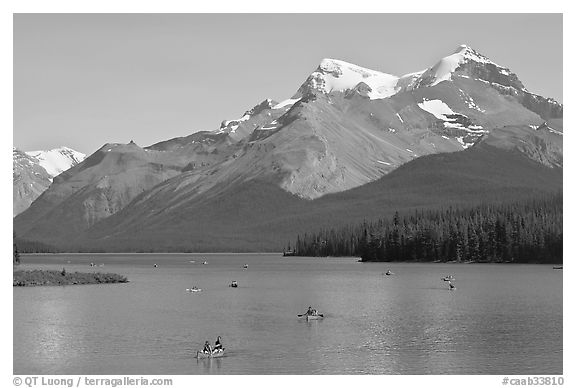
(33, 171)
(344, 127)
(263, 217)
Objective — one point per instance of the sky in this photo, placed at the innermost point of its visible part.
(83, 80)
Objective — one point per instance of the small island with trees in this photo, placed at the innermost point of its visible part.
(36, 277)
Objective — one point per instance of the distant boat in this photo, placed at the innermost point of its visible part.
(245, 266)
(289, 253)
(234, 284)
(192, 261)
(155, 265)
(389, 273)
(448, 278)
(194, 289)
(557, 267)
(205, 263)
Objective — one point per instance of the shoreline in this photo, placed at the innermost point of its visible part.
(462, 262)
(284, 258)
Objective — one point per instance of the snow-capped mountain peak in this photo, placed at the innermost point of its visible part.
(468, 53)
(446, 66)
(33, 172)
(469, 62)
(333, 75)
(57, 160)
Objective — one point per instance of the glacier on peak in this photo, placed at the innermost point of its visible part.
(463, 55)
(334, 75)
(57, 160)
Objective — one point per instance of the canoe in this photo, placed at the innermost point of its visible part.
(214, 354)
(311, 317)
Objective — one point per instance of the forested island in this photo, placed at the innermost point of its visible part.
(523, 232)
(63, 278)
(28, 278)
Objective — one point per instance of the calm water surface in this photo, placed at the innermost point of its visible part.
(502, 319)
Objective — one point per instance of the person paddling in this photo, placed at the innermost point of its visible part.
(218, 344)
(207, 348)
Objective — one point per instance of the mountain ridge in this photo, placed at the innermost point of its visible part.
(345, 127)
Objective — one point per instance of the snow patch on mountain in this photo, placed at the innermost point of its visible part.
(288, 102)
(57, 160)
(271, 125)
(472, 105)
(463, 143)
(555, 132)
(230, 126)
(438, 108)
(451, 119)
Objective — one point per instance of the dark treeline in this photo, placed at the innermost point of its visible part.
(524, 232)
(16, 256)
(25, 246)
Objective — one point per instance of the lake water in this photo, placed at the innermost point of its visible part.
(502, 319)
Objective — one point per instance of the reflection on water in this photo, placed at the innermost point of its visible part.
(210, 365)
(503, 319)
